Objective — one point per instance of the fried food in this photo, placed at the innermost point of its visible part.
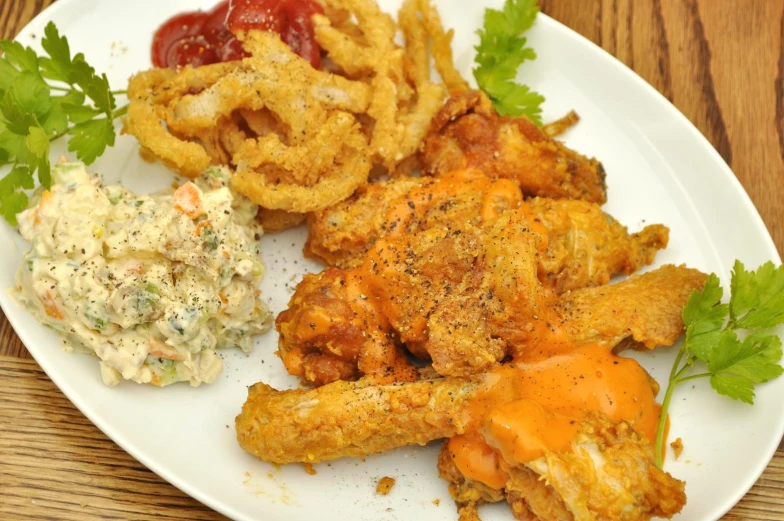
(278, 220)
(586, 246)
(353, 336)
(635, 308)
(468, 132)
(532, 390)
(309, 151)
(604, 469)
(299, 138)
(461, 302)
(349, 418)
(609, 474)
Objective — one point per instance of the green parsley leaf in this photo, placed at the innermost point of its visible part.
(14, 144)
(44, 171)
(22, 57)
(737, 366)
(520, 15)
(757, 297)
(734, 366)
(37, 142)
(90, 138)
(501, 51)
(15, 119)
(34, 112)
(56, 122)
(58, 65)
(7, 74)
(11, 200)
(74, 97)
(31, 94)
(95, 87)
(704, 318)
(80, 113)
(13, 204)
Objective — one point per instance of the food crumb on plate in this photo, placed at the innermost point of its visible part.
(310, 469)
(677, 447)
(385, 485)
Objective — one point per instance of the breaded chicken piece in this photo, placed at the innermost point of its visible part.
(637, 307)
(461, 296)
(339, 335)
(469, 333)
(350, 418)
(586, 246)
(609, 475)
(468, 132)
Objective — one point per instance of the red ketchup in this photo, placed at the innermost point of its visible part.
(200, 38)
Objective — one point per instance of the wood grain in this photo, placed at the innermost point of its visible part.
(721, 62)
(58, 465)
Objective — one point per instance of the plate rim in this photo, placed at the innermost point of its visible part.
(552, 24)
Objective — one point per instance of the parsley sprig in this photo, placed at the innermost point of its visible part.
(734, 364)
(501, 51)
(41, 99)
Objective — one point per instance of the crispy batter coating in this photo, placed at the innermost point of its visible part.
(278, 220)
(609, 475)
(299, 138)
(350, 418)
(465, 300)
(468, 132)
(586, 246)
(640, 307)
(339, 334)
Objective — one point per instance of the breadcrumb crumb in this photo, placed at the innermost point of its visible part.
(385, 484)
(677, 447)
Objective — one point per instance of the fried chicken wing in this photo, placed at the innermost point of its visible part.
(350, 418)
(586, 246)
(461, 295)
(608, 474)
(603, 471)
(468, 132)
(635, 308)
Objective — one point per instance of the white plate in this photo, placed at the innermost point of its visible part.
(660, 169)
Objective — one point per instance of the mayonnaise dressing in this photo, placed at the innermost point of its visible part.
(151, 284)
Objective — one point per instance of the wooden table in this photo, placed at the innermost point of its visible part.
(721, 62)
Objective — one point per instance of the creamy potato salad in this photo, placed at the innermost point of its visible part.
(152, 284)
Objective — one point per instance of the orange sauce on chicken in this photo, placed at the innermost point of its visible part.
(529, 406)
(535, 404)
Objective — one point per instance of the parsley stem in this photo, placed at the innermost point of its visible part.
(663, 421)
(677, 376)
(693, 377)
(120, 112)
(682, 352)
(119, 92)
(56, 136)
(61, 89)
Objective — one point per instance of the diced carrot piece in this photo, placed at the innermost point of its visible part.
(46, 196)
(50, 305)
(187, 199)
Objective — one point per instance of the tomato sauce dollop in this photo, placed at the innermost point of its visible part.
(203, 37)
